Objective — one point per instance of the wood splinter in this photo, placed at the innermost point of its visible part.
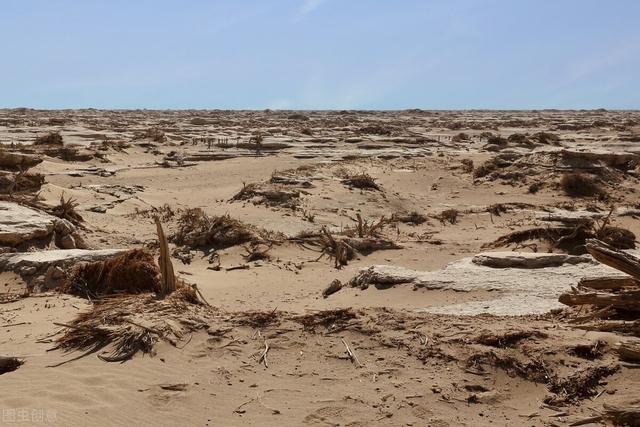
(351, 354)
(263, 355)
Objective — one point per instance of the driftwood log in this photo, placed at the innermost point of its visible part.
(614, 258)
(608, 282)
(629, 351)
(615, 298)
(629, 300)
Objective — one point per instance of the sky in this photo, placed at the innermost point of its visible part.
(320, 54)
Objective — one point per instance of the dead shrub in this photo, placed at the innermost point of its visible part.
(580, 385)
(131, 272)
(461, 137)
(591, 351)
(467, 165)
(449, 215)
(546, 138)
(413, 218)
(497, 141)
(255, 252)
(532, 370)
(366, 228)
(154, 134)
(257, 319)
(376, 129)
(66, 209)
(196, 229)
(572, 239)
(50, 138)
(363, 181)
(20, 182)
(519, 139)
(131, 323)
(330, 319)
(577, 184)
(269, 194)
(534, 187)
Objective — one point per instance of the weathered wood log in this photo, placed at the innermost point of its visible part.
(620, 326)
(625, 300)
(629, 350)
(168, 282)
(609, 282)
(614, 258)
(8, 364)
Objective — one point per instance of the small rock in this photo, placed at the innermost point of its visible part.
(333, 287)
(67, 242)
(64, 227)
(28, 271)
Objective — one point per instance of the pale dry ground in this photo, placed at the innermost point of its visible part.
(306, 383)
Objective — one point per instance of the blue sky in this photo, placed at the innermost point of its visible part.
(322, 54)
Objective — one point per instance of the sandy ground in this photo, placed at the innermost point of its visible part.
(415, 367)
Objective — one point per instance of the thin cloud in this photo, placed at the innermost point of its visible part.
(308, 6)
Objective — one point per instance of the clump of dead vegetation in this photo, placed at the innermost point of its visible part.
(196, 229)
(269, 194)
(67, 209)
(576, 184)
(575, 173)
(448, 216)
(467, 165)
(331, 320)
(154, 134)
(131, 272)
(19, 183)
(461, 137)
(152, 306)
(131, 323)
(413, 218)
(49, 138)
(546, 138)
(364, 237)
(362, 181)
(164, 212)
(571, 237)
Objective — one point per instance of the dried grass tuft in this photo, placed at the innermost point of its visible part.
(132, 323)
(131, 272)
(66, 209)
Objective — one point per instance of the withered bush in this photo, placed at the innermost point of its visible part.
(131, 272)
(577, 184)
(363, 181)
(50, 138)
(196, 229)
